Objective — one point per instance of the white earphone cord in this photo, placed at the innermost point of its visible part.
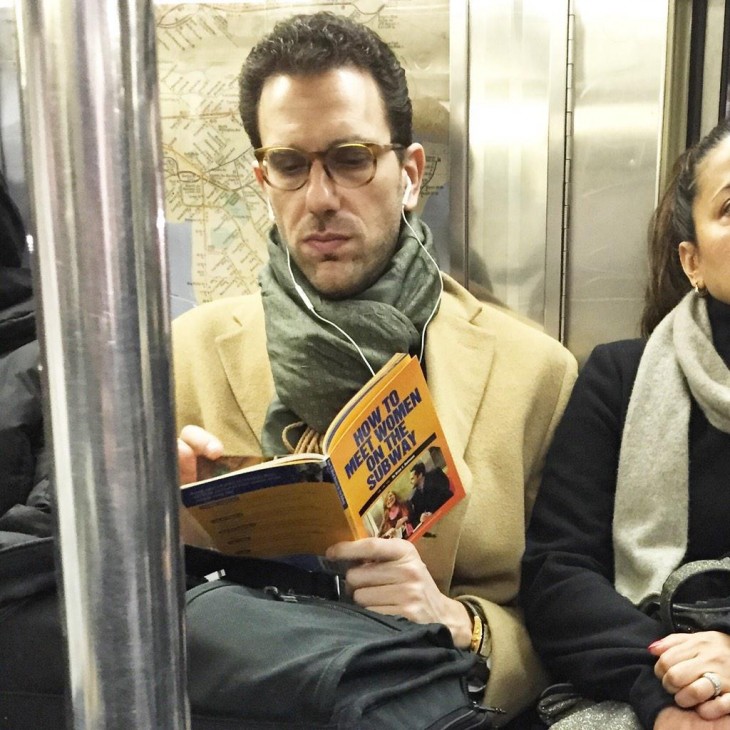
(441, 284)
(308, 303)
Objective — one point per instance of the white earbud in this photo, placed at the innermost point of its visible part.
(407, 191)
(272, 217)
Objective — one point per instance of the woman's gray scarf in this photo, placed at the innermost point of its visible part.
(316, 370)
(650, 518)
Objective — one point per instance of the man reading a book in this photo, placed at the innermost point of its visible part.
(351, 280)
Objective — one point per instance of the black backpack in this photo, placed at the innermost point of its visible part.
(268, 658)
(258, 659)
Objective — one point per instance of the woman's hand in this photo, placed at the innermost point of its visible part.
(682, 661)
(675, 718)
(390, 577)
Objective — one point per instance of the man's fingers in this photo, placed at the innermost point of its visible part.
(192, 443)
(377, 549)
(186, 463)
(202, 442)
(387, 573)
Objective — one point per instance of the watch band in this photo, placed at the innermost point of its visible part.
(481, 640)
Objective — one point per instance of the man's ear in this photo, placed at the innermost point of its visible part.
(414, 163)
(258, 172)
(689, 258)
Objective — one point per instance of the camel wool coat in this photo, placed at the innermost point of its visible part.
(499, 386)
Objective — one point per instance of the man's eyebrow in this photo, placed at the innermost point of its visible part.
(347, 140)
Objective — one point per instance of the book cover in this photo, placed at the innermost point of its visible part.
(387, 471)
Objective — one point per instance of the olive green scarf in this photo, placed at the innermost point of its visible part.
(316, 370)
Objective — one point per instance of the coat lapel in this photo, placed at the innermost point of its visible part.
(242, 351)
(459, 354)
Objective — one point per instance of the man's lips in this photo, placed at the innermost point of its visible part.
(325, 242)
(324, 237)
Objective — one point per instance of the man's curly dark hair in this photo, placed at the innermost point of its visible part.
(317, 43)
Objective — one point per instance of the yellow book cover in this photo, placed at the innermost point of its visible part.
(387, 471)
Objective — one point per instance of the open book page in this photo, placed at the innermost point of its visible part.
(283, 507)
(374, 450)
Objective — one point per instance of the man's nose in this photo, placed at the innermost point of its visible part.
(321, 192)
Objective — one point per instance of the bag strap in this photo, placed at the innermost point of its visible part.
(262, 573)
(677, 578)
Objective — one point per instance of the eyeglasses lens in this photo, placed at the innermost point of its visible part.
(286, 169)
(350, 165)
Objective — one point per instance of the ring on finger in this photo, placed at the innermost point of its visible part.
(716, 683)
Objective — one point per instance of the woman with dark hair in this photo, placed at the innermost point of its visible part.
(637, 481)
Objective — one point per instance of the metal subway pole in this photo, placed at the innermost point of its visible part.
(89, 83)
